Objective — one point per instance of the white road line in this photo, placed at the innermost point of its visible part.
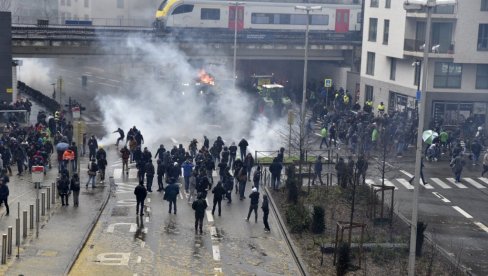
(441, 197)
(462, 212)
(132, 173)
(209, 216)
(143, 244)
(144, 230)
(181, 195)
(406, 173)
(405, 183)
(482, 226)
(388, 183)
(484, 179)
(474, 183)
(459, 185)
(386, 163)
(147, 219)
(216, 252)
(441, 183)
(213, 232)
(139, 259)
(148, 200)
(427, 186)
(148, 209)
(117, 173)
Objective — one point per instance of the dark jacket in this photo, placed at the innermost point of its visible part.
(265, 206)
(172, 192)
(161, 169)
(4, 192)
(243, 144)
(63, 185)
(141, 192)
(218, 192)
(199, 206)
(254, 196)
(75, 184)
(149, 168)
(275, 168)
(233, 150)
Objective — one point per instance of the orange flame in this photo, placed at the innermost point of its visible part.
(205, 77)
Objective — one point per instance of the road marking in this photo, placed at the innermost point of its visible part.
(441, 183)
(405, 183)
(148, 209)
(144, 230)
(139, 259)
(406, 173)
(482, 226)
(388, 164)
(213, 232)
(216, 252)
(143, 243)
(462, 212)
(459, 185)
(117, 173)
(426, 185)
(388, 183)
(148, 200)
(474, 183)
(147, 219)
(209, 216)
(132, 229)
(441, 197)
(181, 195)
(484, 179)
(133, 173)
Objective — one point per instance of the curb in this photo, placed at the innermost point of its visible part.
(87, 235)
(291, 245)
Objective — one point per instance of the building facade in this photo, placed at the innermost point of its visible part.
(457, 70)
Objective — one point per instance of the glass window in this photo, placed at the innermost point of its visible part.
(447, 75)
(482, 76)
(386, 31)
(360, 17)
(370, 63)
(210, 14)
(483, 37)
(120, 4)
(87, 3)
(183, 9)
(484, 5)
(68, 3)
(161, 7)
(368, 95)
(293, 19)
(373, 25)
(285, 19)
(374, 3)
(388, 4)
(393, 63)
(318, 20)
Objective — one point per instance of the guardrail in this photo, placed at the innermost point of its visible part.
(50, 104)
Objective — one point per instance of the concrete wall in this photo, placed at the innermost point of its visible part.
(5, 56)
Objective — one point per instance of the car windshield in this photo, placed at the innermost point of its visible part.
(161, 7)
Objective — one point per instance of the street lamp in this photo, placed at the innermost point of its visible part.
(416, 5)
(307, 9)
(236, 16)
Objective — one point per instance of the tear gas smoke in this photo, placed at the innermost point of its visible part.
(35, 73)
(167, 112)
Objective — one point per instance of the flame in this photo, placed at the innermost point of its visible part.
(205, 78)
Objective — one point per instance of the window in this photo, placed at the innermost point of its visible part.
(86, 17)
(68, 3)
(386, 31)
(288, 19)
(359, 17)
(120, 4)
(373, 25)
(183, 9)
(393, 63)
(388, 4)
(483, 37)
(370, 63)
(87, 3)
(482, 76)
(210, 14)
(484, 5)
(374, 3)
(447, 75)
(368, 95)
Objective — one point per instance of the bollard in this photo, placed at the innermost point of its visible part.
(53, 195)
(24, 224)
(48, 200)
(9, 237)
(43, 204)
(17, 232)
(31, 216)
(4, 249)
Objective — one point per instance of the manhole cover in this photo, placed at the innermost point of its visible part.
(120, 211)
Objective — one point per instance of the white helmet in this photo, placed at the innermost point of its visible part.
(480, 128)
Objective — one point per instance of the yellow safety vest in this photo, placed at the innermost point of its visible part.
(346, 99)
(381, 107)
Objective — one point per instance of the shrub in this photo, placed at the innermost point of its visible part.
(318, 220)
(298, 218)
(291, 185)
(343, 259)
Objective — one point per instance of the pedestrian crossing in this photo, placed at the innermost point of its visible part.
(437, 183)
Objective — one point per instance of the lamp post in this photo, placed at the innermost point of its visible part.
(236, 16)
(307, 9)
(428, 5)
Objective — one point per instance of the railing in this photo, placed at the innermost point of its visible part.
(414, 45)
(60, 21)
(441, 9)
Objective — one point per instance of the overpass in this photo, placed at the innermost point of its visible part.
(62, 40)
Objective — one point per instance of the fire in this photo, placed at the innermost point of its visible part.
(205, 78)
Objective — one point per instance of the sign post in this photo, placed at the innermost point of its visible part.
(37, 179)
(291, 121)
(327, 84)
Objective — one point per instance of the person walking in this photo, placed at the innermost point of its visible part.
(249, 163)
(265, 208)
(121, 136)
(323, 134)
(4, 192)
(228, 185)
(160, 172)
(457, 165)
(232, 154)
(63, 189)
(92, 173)
(141, 192)
(199, 205)
(317, 170)
(218, 192)
(92, 147)
(421, 172)
(75, 188)
(257, 177)
(485, 164)
(362, 168)
(476, 150)
(242, 178)
(243, 144)
(171, 193)
(193, 187)
(254, 196)
(187, 172)
(149, 175)
(125, 153)
(275, 170)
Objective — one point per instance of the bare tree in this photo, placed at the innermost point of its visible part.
(5, 5)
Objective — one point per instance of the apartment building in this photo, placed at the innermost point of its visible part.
(457, 82)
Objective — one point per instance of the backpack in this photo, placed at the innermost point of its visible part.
(257, 176)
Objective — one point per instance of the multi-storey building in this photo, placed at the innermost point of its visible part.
(457, 70)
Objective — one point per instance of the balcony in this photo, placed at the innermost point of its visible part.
(439, 12)
(414, 47)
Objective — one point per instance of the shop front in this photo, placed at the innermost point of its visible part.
(465, 114)
(401, 103)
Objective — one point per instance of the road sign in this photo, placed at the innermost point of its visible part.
(418, 95)
(10, 90)
(291, 117)
(37, 174)
(76, 112)
(327, 82)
